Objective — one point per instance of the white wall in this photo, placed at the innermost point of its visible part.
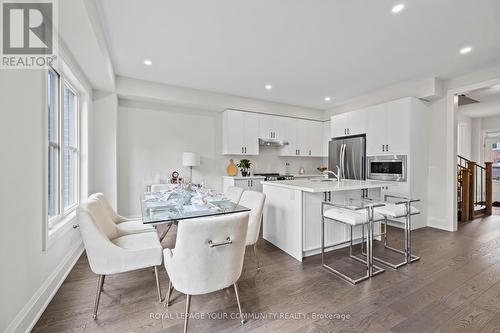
(477, 140)
(151, 138)
(104, 134)
(28, 275)
(464, 136)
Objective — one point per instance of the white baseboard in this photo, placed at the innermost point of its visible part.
(438, 223)
(26, 319)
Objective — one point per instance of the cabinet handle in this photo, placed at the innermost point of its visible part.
(386, 147)
(383, 148)
(251, 183)
(245, 150)
(309, 152)
(345, 131)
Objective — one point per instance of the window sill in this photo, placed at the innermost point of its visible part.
(60, 229)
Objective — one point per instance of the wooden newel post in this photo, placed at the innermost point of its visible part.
(489, 188)
(465, 195)
(471, 165)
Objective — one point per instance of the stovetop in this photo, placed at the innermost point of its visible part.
(270, 176)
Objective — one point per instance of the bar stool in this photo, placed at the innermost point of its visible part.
(352, 216)
(400, 212)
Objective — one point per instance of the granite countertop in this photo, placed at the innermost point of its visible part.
(327, 186)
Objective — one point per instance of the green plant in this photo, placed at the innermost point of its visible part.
(244, 165)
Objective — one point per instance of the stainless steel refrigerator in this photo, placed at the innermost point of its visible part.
(349, 154)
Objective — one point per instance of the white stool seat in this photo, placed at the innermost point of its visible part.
(350, 217)
(394, 211)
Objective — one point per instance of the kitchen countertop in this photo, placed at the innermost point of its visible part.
(248, 177)
(327, 186)
(307, 175)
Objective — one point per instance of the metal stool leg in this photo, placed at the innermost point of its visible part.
(371, 269)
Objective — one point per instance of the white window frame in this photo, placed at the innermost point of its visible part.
(55, 225)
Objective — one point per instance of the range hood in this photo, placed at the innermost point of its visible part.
(272, 142)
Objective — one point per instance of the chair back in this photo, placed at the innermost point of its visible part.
(233, 193)
(97, 230)
(107, 207)
(208, 254)
(255, 201)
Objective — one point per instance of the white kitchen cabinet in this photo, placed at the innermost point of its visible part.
(304, 138)
(291, 136)
(357, 122)
(240, 133)
(271, 127)
(338, 125)
(314, 138)
(389, 127)
(326, 138)
(399, 122)
(251, 183)
(349, 123)
(376, 134)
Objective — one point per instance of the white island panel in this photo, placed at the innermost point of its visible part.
(282, 225)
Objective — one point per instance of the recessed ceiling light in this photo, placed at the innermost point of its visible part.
(328, 99)
(465, 50)
(268, 87)
(397, 8)
(148, 62)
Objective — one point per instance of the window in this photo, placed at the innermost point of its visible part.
(63, 148)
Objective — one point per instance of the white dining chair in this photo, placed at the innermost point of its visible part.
(255, 201)
(110, 251)
(208, 257)
(124, 225)
(233, 193)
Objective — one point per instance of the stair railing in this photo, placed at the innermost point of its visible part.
(474, 188)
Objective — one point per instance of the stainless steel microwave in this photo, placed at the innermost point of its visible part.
(387, 167)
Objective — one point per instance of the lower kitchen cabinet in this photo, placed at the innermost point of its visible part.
(246, 183)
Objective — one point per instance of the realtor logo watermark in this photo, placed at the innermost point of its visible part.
(29, 39)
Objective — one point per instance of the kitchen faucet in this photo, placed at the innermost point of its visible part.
(337, 175)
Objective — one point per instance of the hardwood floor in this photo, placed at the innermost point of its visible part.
(455, 287)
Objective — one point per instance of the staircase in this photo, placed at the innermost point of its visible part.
(474, 189)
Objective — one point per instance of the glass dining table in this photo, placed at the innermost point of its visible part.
(181, 203)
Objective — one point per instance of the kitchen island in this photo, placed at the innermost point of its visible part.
(292, 214)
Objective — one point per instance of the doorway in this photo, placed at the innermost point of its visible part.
(477, 126)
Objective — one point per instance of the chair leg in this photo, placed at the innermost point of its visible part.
(158, 285)
(238, 300)
(169, 292)
(164, 234)
(385, 231)
(256, 256)
(100, 282)
(188, 305)
(102, 286)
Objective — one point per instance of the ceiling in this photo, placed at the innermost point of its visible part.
(306, 49)
(489, 103)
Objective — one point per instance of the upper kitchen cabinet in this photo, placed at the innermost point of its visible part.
(271, 127)
(399, 122)
(389, 127)
(338, 125)
(349, 123)
(304, 138)
(326, 138)
(240, 133)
